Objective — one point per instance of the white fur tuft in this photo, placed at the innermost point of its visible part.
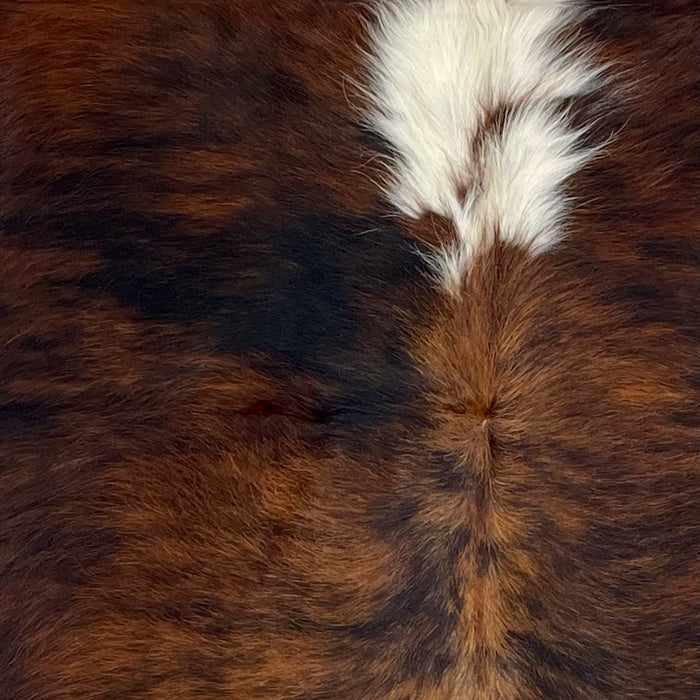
(438, 69)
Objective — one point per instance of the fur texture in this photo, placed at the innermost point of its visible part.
(470, 94)
(249, 450)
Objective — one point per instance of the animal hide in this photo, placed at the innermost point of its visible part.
(349, 350)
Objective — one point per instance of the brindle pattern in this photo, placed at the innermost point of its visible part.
(248, 451)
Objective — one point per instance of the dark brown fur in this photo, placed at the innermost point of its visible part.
(247, 450)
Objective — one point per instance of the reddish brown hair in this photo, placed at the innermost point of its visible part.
(249, 451)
